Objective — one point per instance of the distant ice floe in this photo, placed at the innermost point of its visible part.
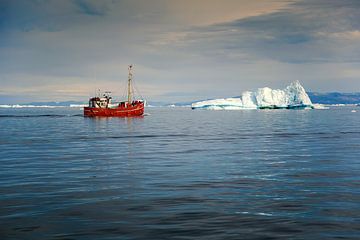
(293, 96)
(25, 106)
(78, 105)
(40, 106)
(320, 106)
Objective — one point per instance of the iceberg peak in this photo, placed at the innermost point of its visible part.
(293, 96)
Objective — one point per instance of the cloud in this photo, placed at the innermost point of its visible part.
(208, 12)
(98, 8)
(181, 49)
(302, 32)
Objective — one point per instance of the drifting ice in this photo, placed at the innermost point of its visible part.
(292, 97)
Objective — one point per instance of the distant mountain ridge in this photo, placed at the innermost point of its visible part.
(334, 98)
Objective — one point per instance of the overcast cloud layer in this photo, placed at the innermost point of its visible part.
(182, 50)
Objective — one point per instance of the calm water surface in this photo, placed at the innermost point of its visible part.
(180, 174)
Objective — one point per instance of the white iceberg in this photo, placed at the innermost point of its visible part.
(293, 96)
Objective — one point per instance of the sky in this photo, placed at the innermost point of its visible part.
(182, 50)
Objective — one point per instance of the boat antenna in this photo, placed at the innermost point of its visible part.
(129, 84)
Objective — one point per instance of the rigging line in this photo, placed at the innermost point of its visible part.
(119, 92)
(124, 91)
(137, 90)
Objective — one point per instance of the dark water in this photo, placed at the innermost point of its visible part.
(180, 174)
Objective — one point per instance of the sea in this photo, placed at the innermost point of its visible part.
(178, 173)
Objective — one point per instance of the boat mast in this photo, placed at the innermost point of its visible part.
(129, 84)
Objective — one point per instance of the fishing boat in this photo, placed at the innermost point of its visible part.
(101, 106)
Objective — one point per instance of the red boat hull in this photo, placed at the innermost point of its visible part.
(120, 111)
